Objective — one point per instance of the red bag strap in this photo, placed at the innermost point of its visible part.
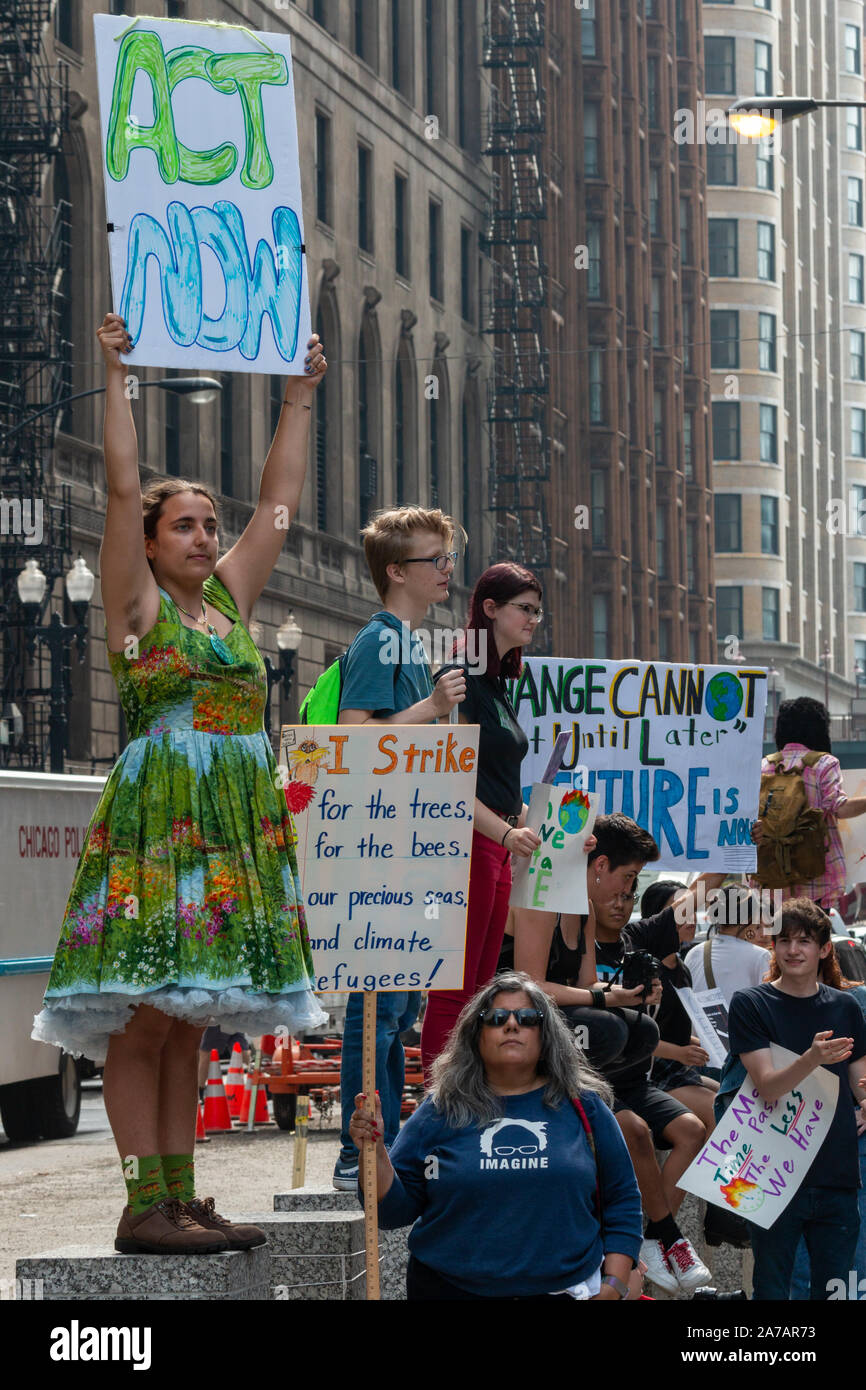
(590, 1139)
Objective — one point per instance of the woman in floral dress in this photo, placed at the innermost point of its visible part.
(186, 903)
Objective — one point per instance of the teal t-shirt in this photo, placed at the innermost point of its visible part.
(383, 649)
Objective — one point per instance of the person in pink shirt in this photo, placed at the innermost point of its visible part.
(803, 726)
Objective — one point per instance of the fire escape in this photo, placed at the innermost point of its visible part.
(517, 404)
(34, 259)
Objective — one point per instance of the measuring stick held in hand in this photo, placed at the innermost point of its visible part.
(368, 1151)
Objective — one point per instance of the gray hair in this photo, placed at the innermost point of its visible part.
(460, 1090)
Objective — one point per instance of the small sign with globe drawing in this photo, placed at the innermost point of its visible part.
(554, 878)
(677, 747)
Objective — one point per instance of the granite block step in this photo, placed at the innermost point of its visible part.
(89, 1272)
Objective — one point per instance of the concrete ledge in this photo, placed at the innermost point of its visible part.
(80, 1272)
(304, 1202)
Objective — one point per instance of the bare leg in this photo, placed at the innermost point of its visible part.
(203, 1064)
(686, 1133)
(178, 1090)
(698, 1099)
(131, 1081)
(649, 1179)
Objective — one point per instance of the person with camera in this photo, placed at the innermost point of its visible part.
(625, 957)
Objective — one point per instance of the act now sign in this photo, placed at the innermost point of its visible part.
(203, 193)
(678, 748)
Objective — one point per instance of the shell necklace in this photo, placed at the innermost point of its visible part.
(217, 643)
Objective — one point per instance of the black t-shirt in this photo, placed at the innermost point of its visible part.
(563, 963)
(673, 1022)
(765, 1014)
(658, 934)
(502, 744)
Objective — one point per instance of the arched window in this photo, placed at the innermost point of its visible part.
(405, 426)
(369, 378)
(439, 436)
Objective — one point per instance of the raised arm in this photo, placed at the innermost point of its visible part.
(247, 567)
(130, 596)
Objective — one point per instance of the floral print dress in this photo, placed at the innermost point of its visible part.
(187, 894)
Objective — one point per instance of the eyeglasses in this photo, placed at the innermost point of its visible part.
(440, 561)
(528, 610)
(524, 1018)
(624, 897)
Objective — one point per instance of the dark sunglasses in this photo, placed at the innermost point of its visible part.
(524, 1018)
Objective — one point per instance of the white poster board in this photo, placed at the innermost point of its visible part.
(553, 879)
(384, 819)
(203, 194)
(676, 747)
(709, 1016)
(760, 1151)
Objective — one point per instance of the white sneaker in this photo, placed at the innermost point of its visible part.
(652, 1252)
(690, 1272)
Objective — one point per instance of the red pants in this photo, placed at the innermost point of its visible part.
(489, 891)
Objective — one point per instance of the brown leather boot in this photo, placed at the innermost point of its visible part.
(166, 1228)
(239, 1237)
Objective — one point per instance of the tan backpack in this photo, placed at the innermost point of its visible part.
(793, 847)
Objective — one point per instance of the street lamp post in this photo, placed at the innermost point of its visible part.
(288, 641)
(57, 637)
(757, 117)
(200, 389)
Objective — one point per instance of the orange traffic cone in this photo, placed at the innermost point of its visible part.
(260, 1116)
(235, 1081)
(200, 1136)
(216, 1107)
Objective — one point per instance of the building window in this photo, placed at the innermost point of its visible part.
(768, 443)
(685, 231)
(365, 208)
(688, 336)
(66, 16)
(763, 69)
(719, 66)
(729, 526)
(857, 355)
(226, 430)
(588, 32)
(770, 614)
(172, 432)
(766, 251)
(467, 299)
(724, 339)
(656, 312)
(593, 243)
(852, 48)
(591, 149)
(854, 127)
(723, 246)
(729, 611)
(600, 624)
(764, 168)
(858, 432)
(659, 428)
(855, 202)
(661, 542)
(654, 200)
(434, 248)
(722, 164)
(767, 342)
(859, 588)
(321, 419)
(726, 430)
(769, 526)
(855, 277)
(859, 663)
(653, 90)
(857, 507)
(323, 169)
(688, 444)
(435, 442)
(665, 639)
(596, 387)
(401, 226)
(759, 4)
(598, 498)
(691, 554)
(365, 26)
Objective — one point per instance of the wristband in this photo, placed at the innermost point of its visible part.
(598, 999)
(506, 835)
(618, 1285)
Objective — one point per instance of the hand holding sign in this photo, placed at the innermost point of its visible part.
(522, 841)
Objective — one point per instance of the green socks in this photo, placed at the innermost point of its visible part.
(144, 1180)
(178, 1171)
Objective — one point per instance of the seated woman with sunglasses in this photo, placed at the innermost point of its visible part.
(504, 613)
(513, 1170)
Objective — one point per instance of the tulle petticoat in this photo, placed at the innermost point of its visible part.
(83, 1023)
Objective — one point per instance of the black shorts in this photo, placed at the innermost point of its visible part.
(669, 1075)
(656, 1108)
(213, 1036)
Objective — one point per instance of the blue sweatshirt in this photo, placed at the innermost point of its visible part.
(509, 1209)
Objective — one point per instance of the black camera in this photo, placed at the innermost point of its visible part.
(707, 1292)
(639, 968)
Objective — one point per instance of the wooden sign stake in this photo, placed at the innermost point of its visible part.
(368, 1154)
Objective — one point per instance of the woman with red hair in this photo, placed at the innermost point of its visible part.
(504, 611)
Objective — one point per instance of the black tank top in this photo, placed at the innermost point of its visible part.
(564, 962)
